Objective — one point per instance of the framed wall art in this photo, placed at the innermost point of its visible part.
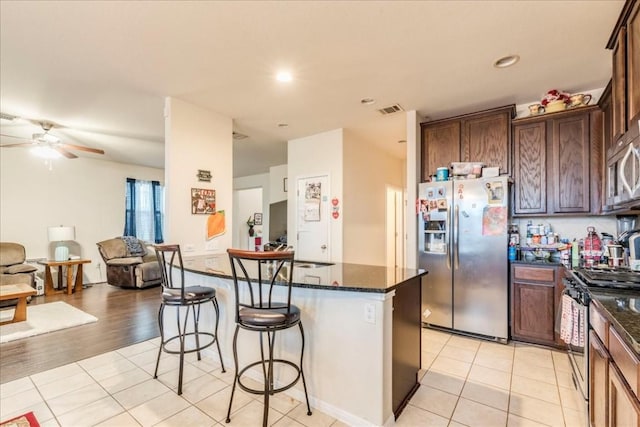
(203, 201)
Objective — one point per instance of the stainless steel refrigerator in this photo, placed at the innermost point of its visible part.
(463, 243)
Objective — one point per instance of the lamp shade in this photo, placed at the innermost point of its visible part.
(61, 233)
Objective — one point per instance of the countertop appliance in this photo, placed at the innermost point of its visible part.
(463, 238)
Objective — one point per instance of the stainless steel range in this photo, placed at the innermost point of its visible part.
(577, 284)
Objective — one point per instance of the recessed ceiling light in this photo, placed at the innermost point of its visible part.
(367, 101)
(284, 76)
(506, 61)
(283, 125)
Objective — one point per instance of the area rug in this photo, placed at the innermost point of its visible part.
(43, 318)
(26, 420)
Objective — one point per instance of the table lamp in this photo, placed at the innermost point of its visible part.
(61, 234)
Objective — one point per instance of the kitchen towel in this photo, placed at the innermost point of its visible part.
(572, 322)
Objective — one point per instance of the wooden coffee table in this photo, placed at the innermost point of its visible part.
(20, 292)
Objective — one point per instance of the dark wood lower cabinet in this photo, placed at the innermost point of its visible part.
(599, 382)
(534, 315)
(406, 343)
(623, 406)
(535, 292)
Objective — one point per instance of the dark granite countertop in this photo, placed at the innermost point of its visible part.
(622, 308)
(336, 277)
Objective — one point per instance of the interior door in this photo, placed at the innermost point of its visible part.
(312, 210)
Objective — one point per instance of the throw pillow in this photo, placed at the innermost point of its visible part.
(134, 246)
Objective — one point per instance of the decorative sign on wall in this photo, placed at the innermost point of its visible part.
(204, 176)
(203, 201)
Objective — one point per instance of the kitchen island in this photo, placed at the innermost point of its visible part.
(362, 334)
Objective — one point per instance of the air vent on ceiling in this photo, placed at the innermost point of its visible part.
(395, 108)
(5, 116)
(238, 136)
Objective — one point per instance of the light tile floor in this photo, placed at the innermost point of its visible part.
(465, 382)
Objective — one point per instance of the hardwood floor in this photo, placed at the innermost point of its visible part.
(125, 317)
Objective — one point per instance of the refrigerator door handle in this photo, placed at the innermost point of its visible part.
(456, 224)
(447, 252)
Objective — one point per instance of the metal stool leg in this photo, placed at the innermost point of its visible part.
(181, 333)
(196, 318)
(304, 383)
(161, 327)
(235, 377)
(217, 309)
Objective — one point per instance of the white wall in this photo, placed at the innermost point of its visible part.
(250, 196)
(411, 189)
(276, 176)
(366, 174)
(315, 155)
(86, 193)
(196, 138)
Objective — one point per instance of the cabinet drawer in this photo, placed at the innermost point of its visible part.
(625, 360)
(599, 324)
(534, 273)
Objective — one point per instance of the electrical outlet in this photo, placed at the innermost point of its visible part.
(211, 246)
(190, 247)
(370, 313)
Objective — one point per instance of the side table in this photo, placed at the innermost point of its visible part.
(69, 264)
(20, 292)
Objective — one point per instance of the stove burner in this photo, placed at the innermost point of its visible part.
(621, 278)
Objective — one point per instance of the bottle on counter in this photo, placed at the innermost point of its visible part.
(513, 252)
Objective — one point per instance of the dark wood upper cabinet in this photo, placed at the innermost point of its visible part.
(530, 168)
(619, 86)
(486, 139)
(483, 137)
(558, 163)
(571, 155)
(440, 146)
(633, 66)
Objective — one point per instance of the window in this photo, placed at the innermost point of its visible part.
(144, 211)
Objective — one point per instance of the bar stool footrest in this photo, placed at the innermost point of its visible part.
(211, 339)
(277, 390)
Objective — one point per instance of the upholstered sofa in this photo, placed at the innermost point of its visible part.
(130, 262)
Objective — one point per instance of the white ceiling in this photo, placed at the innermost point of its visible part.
(101, 70)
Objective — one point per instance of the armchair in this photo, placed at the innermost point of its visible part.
(12, 265)
(13, 269)
(130, 263)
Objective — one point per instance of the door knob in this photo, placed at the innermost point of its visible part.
(323, 247)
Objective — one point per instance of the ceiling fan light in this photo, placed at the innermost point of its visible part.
(45, 152)
(45, 137)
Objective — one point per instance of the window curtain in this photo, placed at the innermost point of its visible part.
(144, 210)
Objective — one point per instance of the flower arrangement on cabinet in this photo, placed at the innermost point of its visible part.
(555, 95)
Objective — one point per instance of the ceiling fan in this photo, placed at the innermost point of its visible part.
(47, 145)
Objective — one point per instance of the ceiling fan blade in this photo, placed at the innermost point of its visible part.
(65, 153)
(82, 148)
(16, 137)
(23, 144)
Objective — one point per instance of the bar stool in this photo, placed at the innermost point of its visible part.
(255, 311)
(176, 294)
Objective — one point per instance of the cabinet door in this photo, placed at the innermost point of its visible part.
(598, 382)
(633, 66)
(532, 312)
(570, 168)
(530, 168)
(485, 139)
(619, 89)
(607, 120)
(624, 410)
(440, 146)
